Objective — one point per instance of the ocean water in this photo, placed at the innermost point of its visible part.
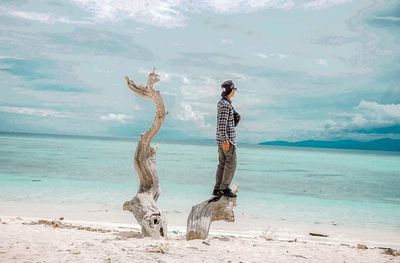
(311, 186)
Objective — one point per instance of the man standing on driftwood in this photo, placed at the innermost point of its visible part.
(227, 119)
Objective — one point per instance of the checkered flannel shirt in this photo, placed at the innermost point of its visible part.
(225, 123)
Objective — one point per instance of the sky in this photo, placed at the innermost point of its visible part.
(311, 69)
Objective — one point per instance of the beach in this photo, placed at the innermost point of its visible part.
(39, 240)
(61, 201)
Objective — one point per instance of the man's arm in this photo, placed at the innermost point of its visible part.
(223, 113)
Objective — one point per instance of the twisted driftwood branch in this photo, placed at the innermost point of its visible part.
(143, 205)
(213, 209)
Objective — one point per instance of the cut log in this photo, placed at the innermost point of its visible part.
(213, 209)
(143, 205)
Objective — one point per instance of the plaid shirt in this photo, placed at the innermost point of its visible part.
(225, 123)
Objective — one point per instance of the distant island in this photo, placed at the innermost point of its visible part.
(376, 145)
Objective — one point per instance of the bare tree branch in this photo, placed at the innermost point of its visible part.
(143, 205)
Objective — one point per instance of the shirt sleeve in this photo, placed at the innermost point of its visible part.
(223, 114)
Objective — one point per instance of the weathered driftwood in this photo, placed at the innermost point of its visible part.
(143, 205)
(213, 209)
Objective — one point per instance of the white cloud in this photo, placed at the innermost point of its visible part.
(282, 56)
(236, 75)
(188, 114)
(322, 4)
(383, 111)
(226, 41)
(243, 6)
(167, 76)
(117, 117)
(388, 18)
(368, 114)
(323, 62)
(270, 55)
(157, 13)
(262, 55)
(33, 111)
(169, 13)
(45, 18)
(204, 88)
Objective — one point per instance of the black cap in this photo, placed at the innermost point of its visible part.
(227, 86)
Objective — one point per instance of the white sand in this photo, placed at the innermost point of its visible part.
(23, 240)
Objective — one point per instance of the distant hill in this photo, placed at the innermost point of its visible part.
(377, 145)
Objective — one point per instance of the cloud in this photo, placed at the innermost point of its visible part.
(368, 115)
(381, 111)
(202, 88)
(188, 114)
(322, 4)
(334, 40)
(388, 18)
(157, 13)
(322, 62)
(270, 55)
(167, 76)
(45, 18)
(170, 14)
(117, 117)
(33, 112)
(204, 59)
(226, 41)
(236, 75)
(261, 55)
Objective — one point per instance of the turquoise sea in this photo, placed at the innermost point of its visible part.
(311, 186)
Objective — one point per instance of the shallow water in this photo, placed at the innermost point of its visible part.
(359, 188)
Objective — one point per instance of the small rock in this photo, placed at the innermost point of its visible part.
(318, 235)
(206, 243)
(361, 246)
(61, 218)
(392, 252)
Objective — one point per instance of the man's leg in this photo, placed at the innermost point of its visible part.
(220, 168)
(230, 167)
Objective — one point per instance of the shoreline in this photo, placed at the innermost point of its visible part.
(109, 214)
(242, 227)
(46, 240)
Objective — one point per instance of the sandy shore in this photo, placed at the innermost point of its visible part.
(45, 240)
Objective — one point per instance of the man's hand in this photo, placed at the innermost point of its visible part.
(225, 146)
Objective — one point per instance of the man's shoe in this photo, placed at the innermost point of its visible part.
(217, 192)
(228, 193)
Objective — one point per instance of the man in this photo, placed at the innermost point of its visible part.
(227, 119)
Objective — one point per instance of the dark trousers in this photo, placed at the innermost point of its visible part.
(226, 167)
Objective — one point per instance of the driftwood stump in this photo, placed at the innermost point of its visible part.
(213, 209)
(143, 205)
